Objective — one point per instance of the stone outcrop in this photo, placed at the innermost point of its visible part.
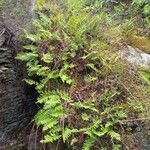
(11, 95)
(17, 15)
(17, 101)
(17, 105)
(136, 57)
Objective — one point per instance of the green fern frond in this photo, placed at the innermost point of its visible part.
(66, 134)
(31, 47)
(49, 124)
(39, 4)
(86, 105)
(85, 117)
(24, 56)
(88, 144)
(51, 138)
(64, 95)
(29, 81)
(114, 135)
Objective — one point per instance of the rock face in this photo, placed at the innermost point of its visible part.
(136, 57)
(17, 15)
(17, 105)
(12, 97)
(17, 101)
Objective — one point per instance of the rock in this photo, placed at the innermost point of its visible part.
(2, 36)
(16, 108)
(135, 56)
(17, 105)
(140, 135)
(17, 16)
(2, 40)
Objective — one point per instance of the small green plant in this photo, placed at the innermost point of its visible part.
(146, 76)
(39, 4)
(79, 83)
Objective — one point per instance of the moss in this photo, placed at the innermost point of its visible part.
(140, 42)
(113, 34)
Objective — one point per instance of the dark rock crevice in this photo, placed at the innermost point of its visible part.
(17, 100)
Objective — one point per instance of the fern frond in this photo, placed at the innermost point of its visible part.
(88, 144)
(114, 135)
(29, 81)
(85, 117)
(67, 132)
(51, 138)
(26, 56)
(31, 47)
(49, 123)
(59, 111)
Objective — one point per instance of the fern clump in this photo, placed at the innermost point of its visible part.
(81, 81)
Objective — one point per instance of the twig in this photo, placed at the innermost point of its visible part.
(2, 32)
(29, 141)
(35, 140)
(138, 119)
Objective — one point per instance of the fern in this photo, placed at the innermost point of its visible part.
(72, 60)
(88, 144)
(146, 76)
(86, 105)
(30, 82)
(67, 133)
(26, 56)
(85, 117)
(39, 4)
(114, 135)
(52, 137)
(49, 123)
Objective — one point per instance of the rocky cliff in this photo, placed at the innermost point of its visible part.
(16, 99)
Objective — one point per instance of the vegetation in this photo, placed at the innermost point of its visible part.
(145, 5)
(140, 42)
(85, 90)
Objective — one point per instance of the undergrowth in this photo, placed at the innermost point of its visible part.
(144, 5)
(85, 90)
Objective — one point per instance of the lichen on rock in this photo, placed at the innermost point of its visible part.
(135, 56)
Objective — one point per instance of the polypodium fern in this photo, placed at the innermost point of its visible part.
(86, 105)
(68, 132)
(89, 142)
(51, 137)
(79, 104)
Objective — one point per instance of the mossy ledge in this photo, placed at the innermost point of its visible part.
(140, 42)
